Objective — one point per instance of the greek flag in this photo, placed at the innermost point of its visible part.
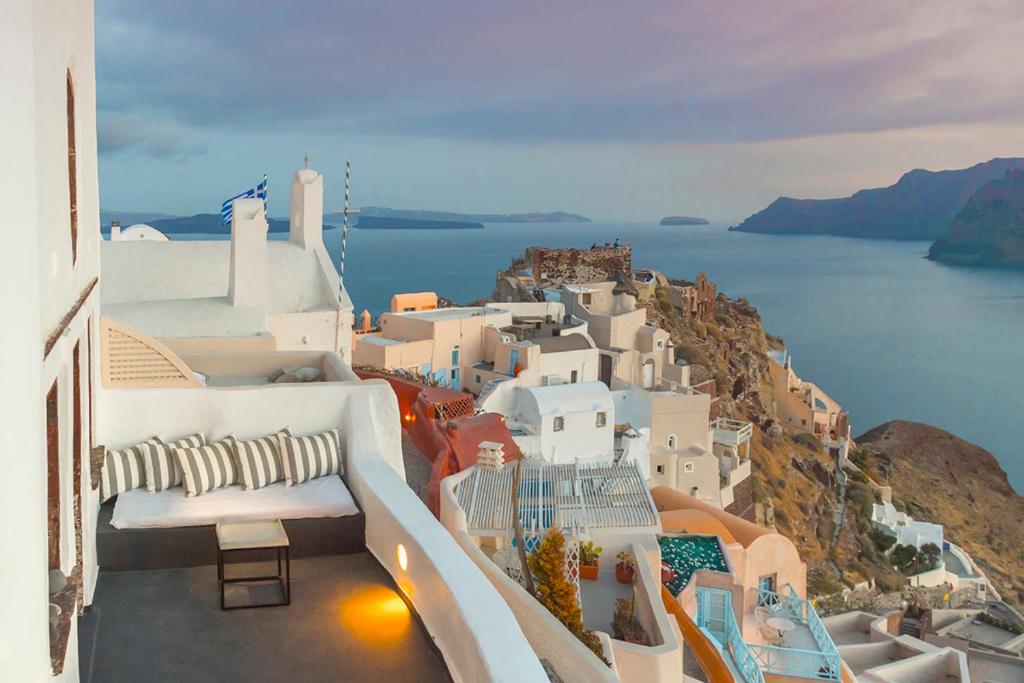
(257, 192)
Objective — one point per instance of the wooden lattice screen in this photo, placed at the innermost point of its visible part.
(130, 358)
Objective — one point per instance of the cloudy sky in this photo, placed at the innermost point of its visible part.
(615, 110)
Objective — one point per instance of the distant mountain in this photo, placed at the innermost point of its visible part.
(206, 224)
(421, 214)
(919, 206)
(391, 223)
(989, 230)
(684, 220)
(129, 217)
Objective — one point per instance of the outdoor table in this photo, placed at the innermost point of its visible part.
(248, 536)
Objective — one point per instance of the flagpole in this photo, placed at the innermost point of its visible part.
(344, 225)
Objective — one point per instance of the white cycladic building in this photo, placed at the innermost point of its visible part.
(565, 422)
(48, 181)
(906, 529)
(248, 293)
(139, 231)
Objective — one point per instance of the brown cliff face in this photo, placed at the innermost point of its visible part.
(941, 478)
(793, 487)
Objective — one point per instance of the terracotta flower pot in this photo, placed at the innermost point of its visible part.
(588, 572)
(624, 573)
(667, 574)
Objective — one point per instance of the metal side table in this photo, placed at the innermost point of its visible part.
(240, 536)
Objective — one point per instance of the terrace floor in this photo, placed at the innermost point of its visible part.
(346, 622)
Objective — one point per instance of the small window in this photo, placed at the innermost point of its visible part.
(478, 379)
(661, 344)
(455, 356)
(688, 468)
(559, 424)
(661, 469)
(602, 419)
(574, 376)
(586, 299)
(672, 441)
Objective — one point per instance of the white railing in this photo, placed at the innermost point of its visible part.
(732, 432)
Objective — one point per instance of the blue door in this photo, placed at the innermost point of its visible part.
(456, 381)
(513, 361)
(713, 612)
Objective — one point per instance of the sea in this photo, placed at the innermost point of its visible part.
(887, 333)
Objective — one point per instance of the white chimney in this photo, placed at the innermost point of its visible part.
(247, 284)
(306, 228)
(115, 230)
(491, 455)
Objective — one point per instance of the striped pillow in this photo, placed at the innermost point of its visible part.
(123, 470)
(309, 457)
(259, 461)
(207, 467)
(161, 469)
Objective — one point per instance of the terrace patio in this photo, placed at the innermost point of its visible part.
(347, 621)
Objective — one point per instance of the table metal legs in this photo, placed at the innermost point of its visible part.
(283, 580)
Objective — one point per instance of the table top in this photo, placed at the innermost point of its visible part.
(780, 623)
(251, 535)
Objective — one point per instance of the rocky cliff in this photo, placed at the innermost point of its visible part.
(989, 230)
(796, 488)
(919, 206)
(941, 478)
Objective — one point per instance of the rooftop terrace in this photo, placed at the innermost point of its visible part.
(346, 622)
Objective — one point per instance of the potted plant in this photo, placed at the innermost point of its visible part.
(625, 567)
(589, 554)
(625, 625)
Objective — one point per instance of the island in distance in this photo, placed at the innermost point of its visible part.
(989, 230)
(392, 223)
(427, 215)
(684, 220)
(920, 206)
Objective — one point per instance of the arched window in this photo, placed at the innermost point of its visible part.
(72, 168)
(671, 440)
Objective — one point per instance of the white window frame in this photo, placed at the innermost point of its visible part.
(558, 424)
(601, 419)
(688, 468)
(670, 442)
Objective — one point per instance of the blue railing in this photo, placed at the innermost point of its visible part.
(734, 645)
(823, 664)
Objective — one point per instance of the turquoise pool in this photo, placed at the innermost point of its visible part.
(687, 554)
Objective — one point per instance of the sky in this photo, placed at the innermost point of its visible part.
(618, 111)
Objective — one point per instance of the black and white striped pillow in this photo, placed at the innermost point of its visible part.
(123, 470)
(259, 461)
(207, 467)
(309, 457)
(162, 471)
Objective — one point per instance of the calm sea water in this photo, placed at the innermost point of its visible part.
(884, 331)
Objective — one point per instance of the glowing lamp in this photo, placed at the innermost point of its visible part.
(403, 557)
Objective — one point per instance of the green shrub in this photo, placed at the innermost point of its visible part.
(699, 328)
(809, 440)
(882, 540)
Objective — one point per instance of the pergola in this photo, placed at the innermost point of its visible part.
(576, 498)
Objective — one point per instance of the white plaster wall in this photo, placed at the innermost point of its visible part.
(580, 439)
(24, 653)
(39, 42)
(562, 363)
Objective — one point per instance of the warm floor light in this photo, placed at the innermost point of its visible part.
(376, 615)
(403, 558)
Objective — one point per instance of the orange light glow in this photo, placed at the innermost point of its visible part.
(376, 615)
(403, 558)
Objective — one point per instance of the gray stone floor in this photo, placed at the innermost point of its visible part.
(346, 623)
